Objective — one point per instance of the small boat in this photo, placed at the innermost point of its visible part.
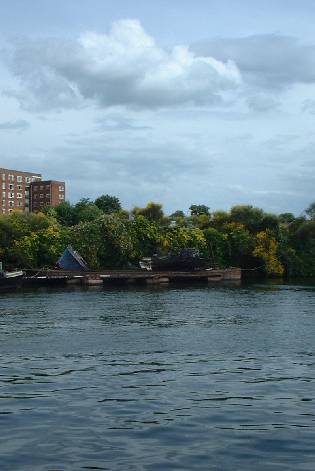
(10, 280)
(184, 260)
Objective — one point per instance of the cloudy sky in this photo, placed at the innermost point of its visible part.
(175, 101)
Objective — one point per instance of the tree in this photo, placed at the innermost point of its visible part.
(145, 236)
(177, 214)
(85, 210)
(217, 247)
(108, 204)
(310, 211)
(266, 248)
(176, 238)
(239, 244)
(202, 221)
(38, 241)
(65, 213)
(249, 216)
(86, 237)
(219, 219)
(269, 221)
(286, 218)
(152, 211)
(198, 209)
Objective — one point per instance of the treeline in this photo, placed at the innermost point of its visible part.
(106, 235)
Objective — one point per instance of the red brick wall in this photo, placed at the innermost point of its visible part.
(44, 193)
(14, 187)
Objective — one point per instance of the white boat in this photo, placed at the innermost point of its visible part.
(10, 279)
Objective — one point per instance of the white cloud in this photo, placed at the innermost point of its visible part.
(268, 61)
(124, 67)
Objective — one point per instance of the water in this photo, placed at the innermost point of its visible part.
(158, 379)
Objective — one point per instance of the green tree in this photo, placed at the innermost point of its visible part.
(302, 241)
(217, 245)
(286, 218)
(153, 212)
(85, 210)
(198, 209)
(239, 245)
(65, 213)
(86, 238)
(108, 204)
(219, 219)
(202, 221)
(247, 215)
(38, 240)
(266, 248)
(177, 214)
(145, 236)
(176, 238)
(310, 211)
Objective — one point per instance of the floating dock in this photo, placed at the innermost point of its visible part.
(104, 277)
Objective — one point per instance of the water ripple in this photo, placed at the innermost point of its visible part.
(147, 379)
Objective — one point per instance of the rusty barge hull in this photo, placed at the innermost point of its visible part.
(229, 275)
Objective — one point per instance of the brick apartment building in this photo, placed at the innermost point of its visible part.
(26, 191)
(44, 193)
(16, 189)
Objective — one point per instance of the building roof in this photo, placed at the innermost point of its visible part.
(19, 171)
(47, 181)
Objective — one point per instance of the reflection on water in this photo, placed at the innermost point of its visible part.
(158, 379)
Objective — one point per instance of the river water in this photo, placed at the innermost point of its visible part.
(178, 378)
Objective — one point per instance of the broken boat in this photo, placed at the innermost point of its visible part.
(10, 279)
(72, 260)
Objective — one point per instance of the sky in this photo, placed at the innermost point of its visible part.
(174, 101)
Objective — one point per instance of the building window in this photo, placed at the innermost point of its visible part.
(35, 197)
(3, 186)
(11, 186)
(11, 178)
(41, 195)
(48, 195)
(61, 188)
(3, 177)
(11, 204)
(28, 179)
(41, 187)
(3, 202)
(10, 210)
(19, 187)
(19, 178)
(20, 204)
(11, 195)
(19, 195)
(61, 197)
(4, 194)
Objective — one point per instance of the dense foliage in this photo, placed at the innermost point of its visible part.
(108, 236)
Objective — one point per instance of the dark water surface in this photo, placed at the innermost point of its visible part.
(158, 379)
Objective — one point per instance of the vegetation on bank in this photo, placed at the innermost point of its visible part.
(108, 236)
